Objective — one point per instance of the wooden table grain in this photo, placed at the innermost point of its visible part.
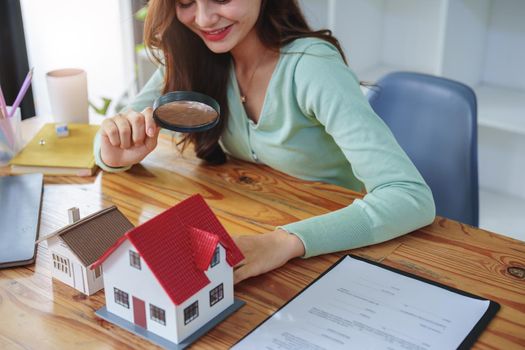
(37, 312)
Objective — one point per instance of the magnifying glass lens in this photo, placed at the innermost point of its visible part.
(186, 111)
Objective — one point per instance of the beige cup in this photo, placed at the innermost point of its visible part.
(68, 95)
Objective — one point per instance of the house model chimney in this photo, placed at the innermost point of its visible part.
(73, 215)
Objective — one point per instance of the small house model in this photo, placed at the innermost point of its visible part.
(74, 248)
(172, 276)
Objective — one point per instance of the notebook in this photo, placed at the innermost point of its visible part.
(20, 201)
(52, 155)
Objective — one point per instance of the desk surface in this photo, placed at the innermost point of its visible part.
(40, 313)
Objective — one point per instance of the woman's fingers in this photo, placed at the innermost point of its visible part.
(138, 128)
(150, 125)
(110, 130)
(265, 252)
(241, 274)
(130, 129)
(125, 140)
(257, 256)
(124, 130)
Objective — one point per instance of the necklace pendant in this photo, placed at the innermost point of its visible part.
(243, 99)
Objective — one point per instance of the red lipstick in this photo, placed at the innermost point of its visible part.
(217, 35)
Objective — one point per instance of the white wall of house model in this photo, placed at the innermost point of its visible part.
(67, 268)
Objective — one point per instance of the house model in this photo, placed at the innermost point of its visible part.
(74, 248)
(171, 276)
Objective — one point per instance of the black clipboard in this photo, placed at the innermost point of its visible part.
(20, 204)
(469, 340)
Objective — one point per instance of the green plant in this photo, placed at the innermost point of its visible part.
(104, 108)
(141, 14)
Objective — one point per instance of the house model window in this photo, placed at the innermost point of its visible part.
(216, 257)
(121, 298)
(134, 259)
(216, 294)
(191, 312)
(157, 314)
(61, 264)
(98, 271)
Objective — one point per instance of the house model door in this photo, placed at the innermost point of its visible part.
(78, 277)
(139, 312)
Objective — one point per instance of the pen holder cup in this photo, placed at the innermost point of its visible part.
(10, 136)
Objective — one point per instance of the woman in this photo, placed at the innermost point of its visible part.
(288, 100)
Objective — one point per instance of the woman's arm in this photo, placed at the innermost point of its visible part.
(398, 200)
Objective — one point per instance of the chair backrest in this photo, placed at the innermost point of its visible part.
(435, 121)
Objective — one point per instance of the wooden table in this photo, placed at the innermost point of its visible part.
(37, 312)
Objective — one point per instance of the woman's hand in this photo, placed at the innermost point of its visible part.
(127, 138)
(265, 252)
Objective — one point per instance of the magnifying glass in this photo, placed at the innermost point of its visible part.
(186, 111)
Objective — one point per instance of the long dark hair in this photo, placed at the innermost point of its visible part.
(190, 65)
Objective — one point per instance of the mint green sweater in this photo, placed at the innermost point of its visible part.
(315, 124)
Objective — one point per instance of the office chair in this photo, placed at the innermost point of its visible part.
(435, 121)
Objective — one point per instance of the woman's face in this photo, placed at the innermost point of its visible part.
(221, 24)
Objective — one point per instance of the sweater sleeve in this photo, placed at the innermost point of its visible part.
(98, 158)
(144, 99)
(149, 92)
(397, 201)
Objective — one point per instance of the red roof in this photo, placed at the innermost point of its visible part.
(178, 246)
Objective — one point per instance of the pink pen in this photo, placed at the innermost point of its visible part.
(22, 92)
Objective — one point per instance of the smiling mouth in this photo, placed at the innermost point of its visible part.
(218, 31)
(218, 34)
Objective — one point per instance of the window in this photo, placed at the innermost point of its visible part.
(98, 271)
(191, 312)
(62, 264)
(134, 259)
(157, 314)
(216, 294)
(121, 298)
(216, 257)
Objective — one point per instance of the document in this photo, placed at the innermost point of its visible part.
(359, 305)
